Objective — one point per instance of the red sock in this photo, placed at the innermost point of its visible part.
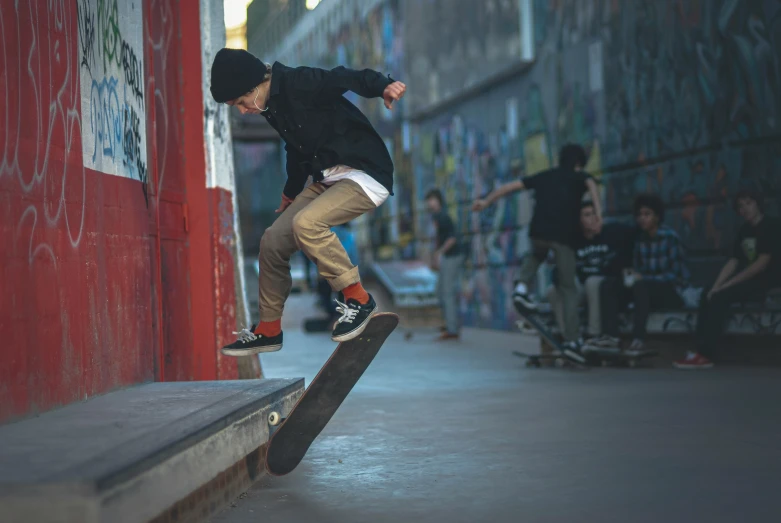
(356, 292)
(269, 328)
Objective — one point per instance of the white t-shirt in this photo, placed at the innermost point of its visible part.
(373, 189)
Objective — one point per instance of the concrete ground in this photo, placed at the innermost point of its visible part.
(463, 432)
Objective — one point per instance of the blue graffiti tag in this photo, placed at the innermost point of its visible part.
(106, 119)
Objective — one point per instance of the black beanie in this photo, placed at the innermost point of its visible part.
(235, 72)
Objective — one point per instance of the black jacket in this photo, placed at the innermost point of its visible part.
(321, 128)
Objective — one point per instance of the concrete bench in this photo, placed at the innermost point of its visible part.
(159, 451)
(746, 319)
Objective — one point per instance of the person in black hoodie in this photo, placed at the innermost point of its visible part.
(328, 138)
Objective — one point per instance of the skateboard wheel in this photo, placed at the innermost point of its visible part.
(274, 418)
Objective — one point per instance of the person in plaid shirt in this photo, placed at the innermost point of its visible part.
(657, 279)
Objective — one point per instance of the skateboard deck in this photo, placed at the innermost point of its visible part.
(552, 358)
(547, 337)
(293, 436)
(622, 358)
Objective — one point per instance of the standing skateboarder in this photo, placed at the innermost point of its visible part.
(554, 227)
(328, 138)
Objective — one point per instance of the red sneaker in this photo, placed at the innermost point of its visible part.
(693, 360)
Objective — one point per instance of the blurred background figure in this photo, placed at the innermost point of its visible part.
(753, 268)
(448, 260)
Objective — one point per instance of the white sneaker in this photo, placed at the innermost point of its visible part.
(522, 300)
(636, 348)
(605, 341)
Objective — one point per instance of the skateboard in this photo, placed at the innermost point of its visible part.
(550, 340)
(537, 360)
(621, 358)
(292, 436)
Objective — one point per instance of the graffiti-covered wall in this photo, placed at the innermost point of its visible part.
(682, 98)
(112, 87)
(76, 273)
(106, 221)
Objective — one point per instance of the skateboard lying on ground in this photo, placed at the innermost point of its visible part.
(536, 360)
(293, 435)
(557, 355)
(620, 358)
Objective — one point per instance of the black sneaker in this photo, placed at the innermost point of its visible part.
(573, 350)
(354, 318)
(523, 302)
(250, 343)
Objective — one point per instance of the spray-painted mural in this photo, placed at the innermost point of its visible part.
(682, 98)
(112, 87)
(76, 246)
(96, 271)
(372, 40)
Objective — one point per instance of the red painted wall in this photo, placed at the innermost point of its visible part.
(105, 281)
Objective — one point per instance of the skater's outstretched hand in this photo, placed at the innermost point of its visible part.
(284, 204)
(393, 92)
(479, 205)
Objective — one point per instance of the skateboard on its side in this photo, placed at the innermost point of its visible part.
(292, 436)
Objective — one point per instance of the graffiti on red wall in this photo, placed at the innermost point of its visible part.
(76, 276)
(112, 91)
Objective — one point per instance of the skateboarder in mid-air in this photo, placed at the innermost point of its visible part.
(328, 138)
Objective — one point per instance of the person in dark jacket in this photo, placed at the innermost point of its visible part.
(448, 260)
(328, 138)
(753, 268)
(554, 227)
(599, 255)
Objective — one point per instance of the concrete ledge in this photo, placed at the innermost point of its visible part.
(136, 454)
(411, 283)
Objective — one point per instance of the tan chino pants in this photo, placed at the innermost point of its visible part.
(306, 225)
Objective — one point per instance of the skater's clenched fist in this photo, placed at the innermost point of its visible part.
(393, 92)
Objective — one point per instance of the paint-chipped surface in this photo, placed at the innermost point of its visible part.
(98, 206)
(75, 275)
